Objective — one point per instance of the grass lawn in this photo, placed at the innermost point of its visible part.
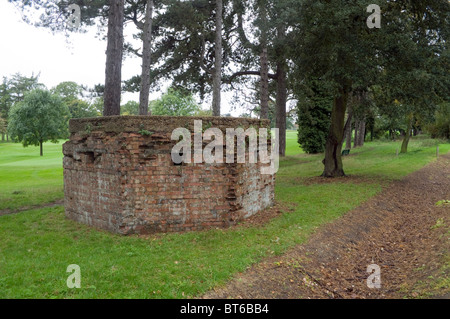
(27, 178)
(36, 246)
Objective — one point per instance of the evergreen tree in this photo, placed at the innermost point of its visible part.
(313, 111)
(417, 82)
(335, 43)
(3, 127)
(186, 45)
(110, 14)
(271, 24)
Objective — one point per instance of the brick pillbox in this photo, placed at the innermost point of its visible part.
(119, 176)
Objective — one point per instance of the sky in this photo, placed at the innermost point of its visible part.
(29, 50)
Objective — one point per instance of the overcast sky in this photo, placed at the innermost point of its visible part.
(27, 50)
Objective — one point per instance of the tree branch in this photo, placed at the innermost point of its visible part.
(245, 41)
(242, 73)
(202, 62)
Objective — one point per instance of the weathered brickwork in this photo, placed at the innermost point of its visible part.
(119, 176)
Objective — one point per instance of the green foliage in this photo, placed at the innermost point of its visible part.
(55, 13)
(291, 118)
(97, 104)
(175, 103)
(415, 77)
(13, 90)
(130, 108)
(314, 110)
(184, 44)
(203, 112)
(444, 202)
(407, 57)
(70, 93)
(144, 132)
(441, 127)
(81, 109)
(334, 43)
(5, 99)
(40, 117)
(3, 125)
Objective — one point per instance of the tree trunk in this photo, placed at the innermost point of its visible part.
(264, 84)
(280, 112)
(362, 132)
(3, 137)
(114, 51)
(41, 150)
(405, 142)
(146, 60)
(217, 82)
(264, 60)
(372, 127)
(356, 139)
(333, 161)
(348, 129)
(348, 139)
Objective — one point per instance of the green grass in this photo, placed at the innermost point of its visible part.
(36, 246)
(27, 178)
(436, 285)
(376, 160)
(292, 147)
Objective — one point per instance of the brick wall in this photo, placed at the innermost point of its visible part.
(120, 178)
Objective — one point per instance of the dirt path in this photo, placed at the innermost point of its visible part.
(401, 230)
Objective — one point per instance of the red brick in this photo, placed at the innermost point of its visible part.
(125, 192)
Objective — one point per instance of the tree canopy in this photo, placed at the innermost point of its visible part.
(71, 94)
(397, 58)
(39, 118)
(175, 103)
(405, 56)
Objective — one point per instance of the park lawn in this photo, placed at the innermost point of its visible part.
(28, 179)
(292, 147)
(36, 246)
